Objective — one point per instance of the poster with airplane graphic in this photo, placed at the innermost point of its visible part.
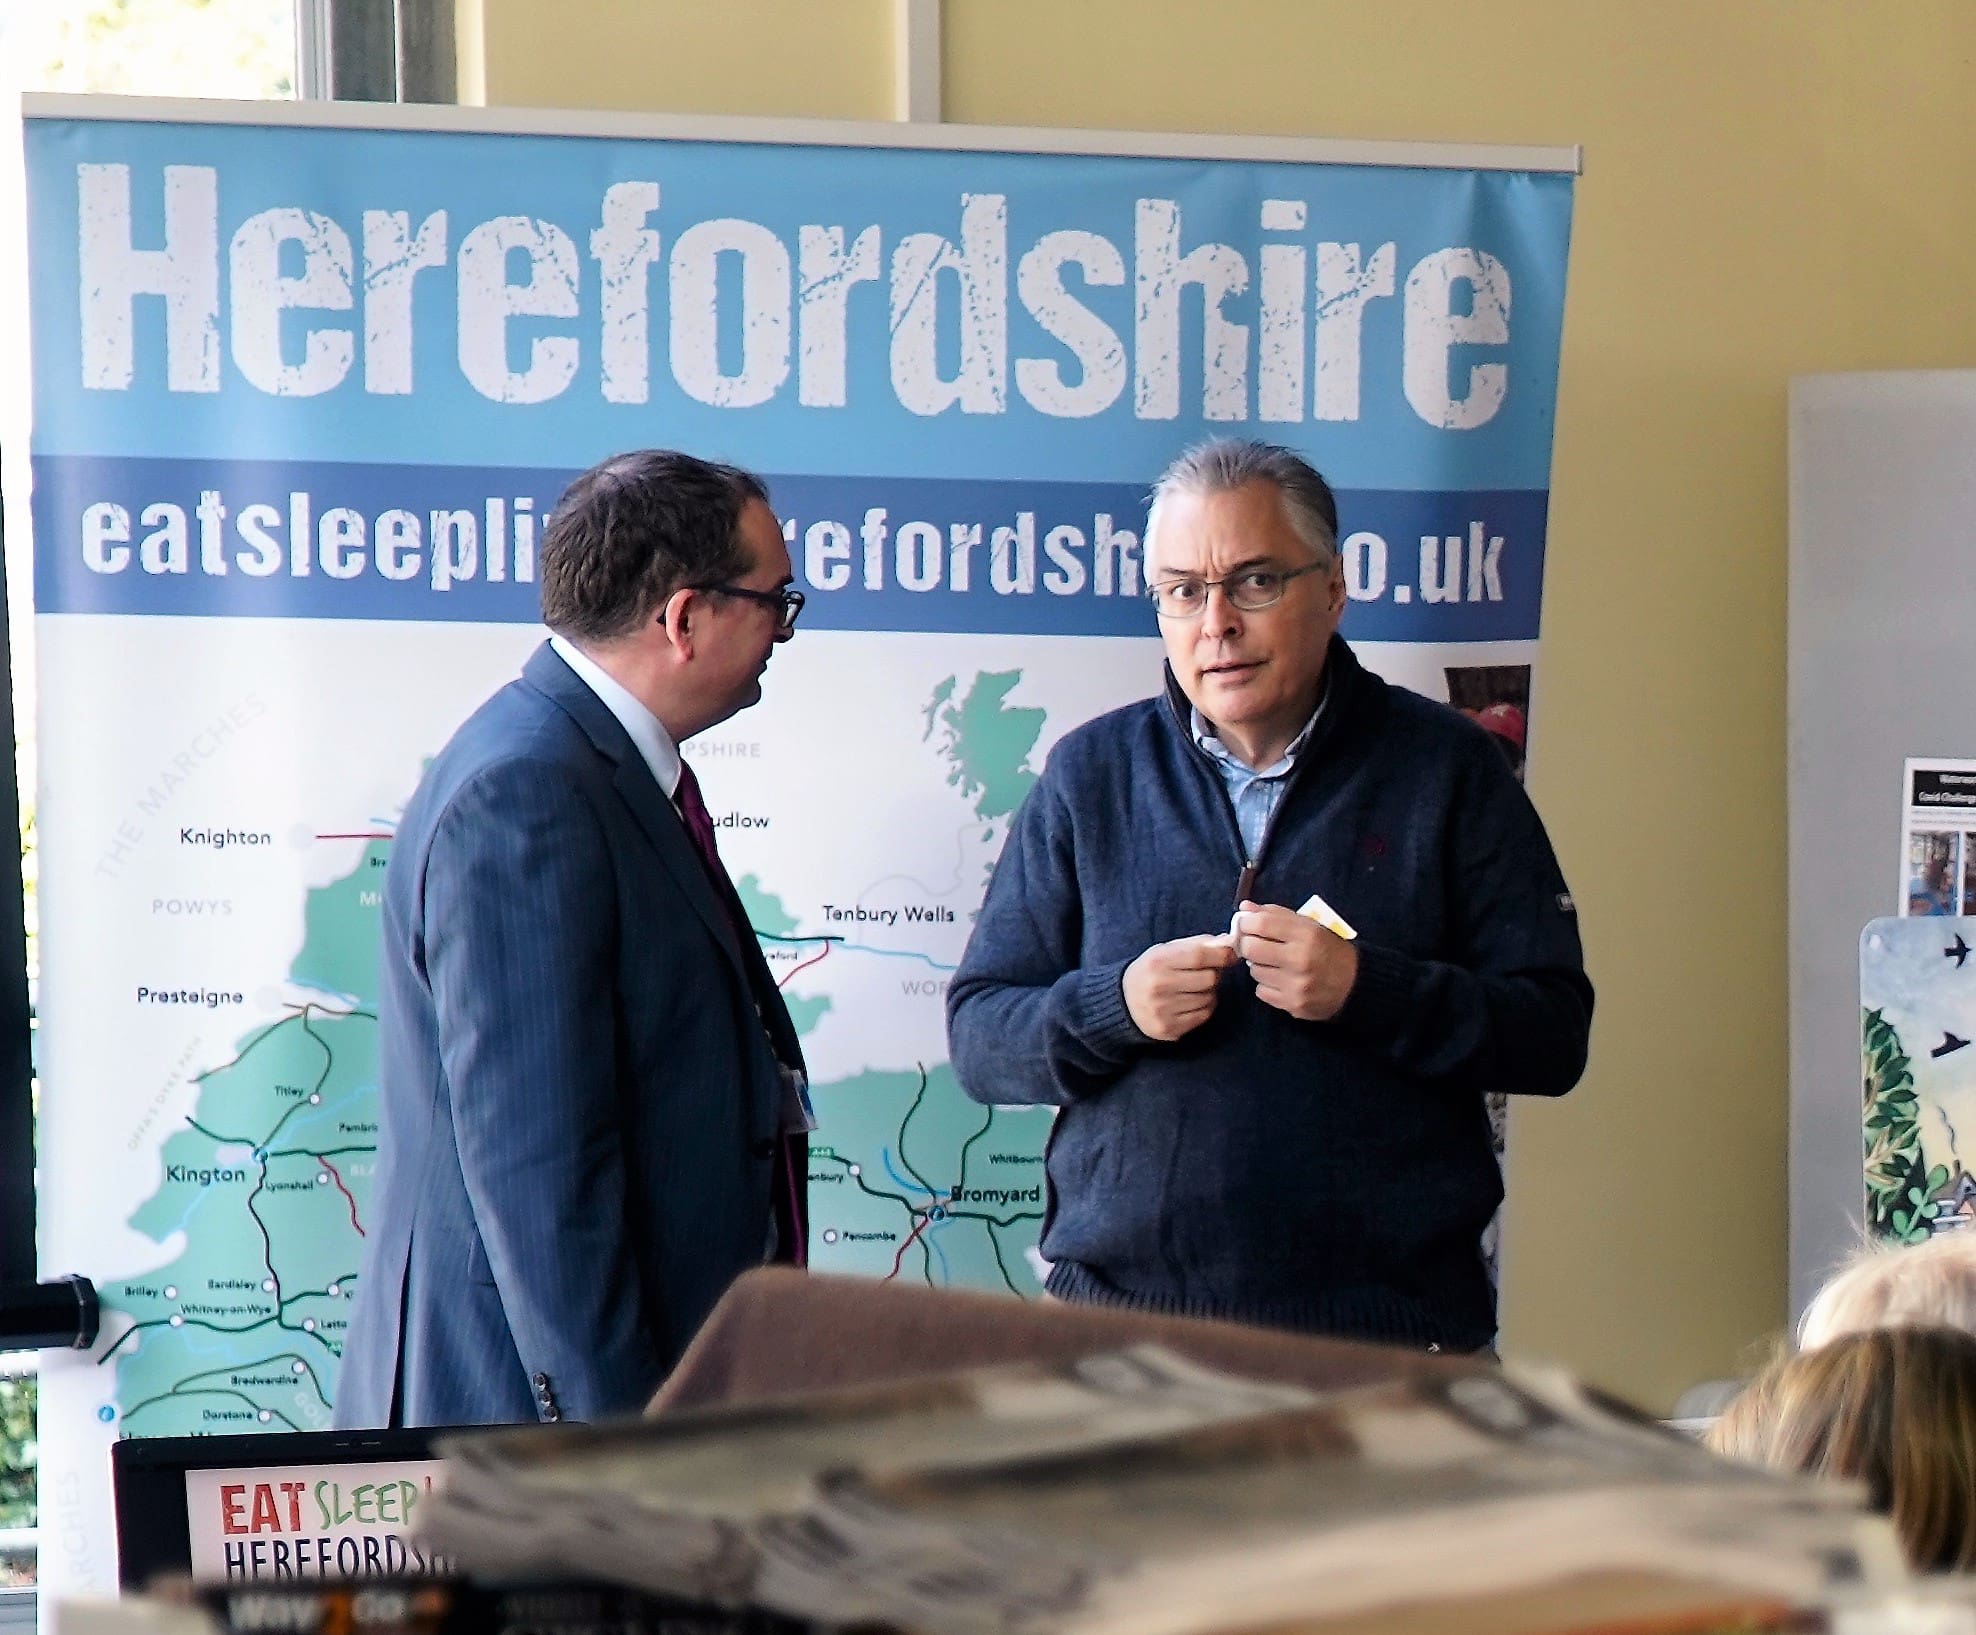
(1917, 991)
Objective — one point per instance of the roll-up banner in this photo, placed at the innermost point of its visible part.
(307, 382)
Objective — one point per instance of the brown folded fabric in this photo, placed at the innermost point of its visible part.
(778, 1331)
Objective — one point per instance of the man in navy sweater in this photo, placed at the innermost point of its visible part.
(1262, 1119)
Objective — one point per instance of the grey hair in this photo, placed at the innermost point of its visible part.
(1228, 463)
(1930, 1284)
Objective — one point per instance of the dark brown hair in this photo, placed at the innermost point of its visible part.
(632, 530)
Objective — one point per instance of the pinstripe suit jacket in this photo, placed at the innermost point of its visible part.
(579, 1099)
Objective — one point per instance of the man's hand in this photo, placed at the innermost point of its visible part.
(1299, 966)
(1170, 988)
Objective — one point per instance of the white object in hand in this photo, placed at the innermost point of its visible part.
(1316, 908)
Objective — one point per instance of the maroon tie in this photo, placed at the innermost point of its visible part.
(700, 825)
(790, 1217)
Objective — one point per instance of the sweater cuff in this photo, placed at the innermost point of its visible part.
(1103, 1021)
(1381, 996)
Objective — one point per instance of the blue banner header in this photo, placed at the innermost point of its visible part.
(271, 539)
(227, 291)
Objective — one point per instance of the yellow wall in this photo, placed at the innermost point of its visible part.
(1772, 187)
(813, 59)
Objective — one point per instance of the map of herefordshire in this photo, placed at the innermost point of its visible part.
(265, 1187)
(908, 1177)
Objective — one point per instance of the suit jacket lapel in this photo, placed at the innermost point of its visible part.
(774, 1011)
(666, 830)
(655, 815)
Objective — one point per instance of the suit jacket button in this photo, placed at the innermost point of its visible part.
(764, 1148)
(539, 1381)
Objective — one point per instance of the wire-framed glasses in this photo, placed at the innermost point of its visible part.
(1251, 590)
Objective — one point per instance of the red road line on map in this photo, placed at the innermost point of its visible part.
(340, 1187)
(372, 836)
(798, 970)
(899, 1259)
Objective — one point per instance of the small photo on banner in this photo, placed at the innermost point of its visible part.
(1938, 838)
(1917, 990)
(1496, 697)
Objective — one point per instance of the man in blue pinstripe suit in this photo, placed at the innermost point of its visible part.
(591, 1094)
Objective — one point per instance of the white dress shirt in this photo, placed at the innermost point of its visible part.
(654, 743)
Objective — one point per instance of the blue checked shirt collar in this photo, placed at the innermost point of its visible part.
(1254, 792)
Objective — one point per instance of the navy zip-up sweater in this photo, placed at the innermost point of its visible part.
(1330, 1176)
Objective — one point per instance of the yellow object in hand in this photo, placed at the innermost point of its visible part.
(1316, 908)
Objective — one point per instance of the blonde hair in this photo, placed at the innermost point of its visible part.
(1893, 1408)
(1931, 1284)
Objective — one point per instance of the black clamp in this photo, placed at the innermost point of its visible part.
(38, 1316)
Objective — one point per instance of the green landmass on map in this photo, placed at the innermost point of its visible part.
(774, 924)
(910, 1179)
(265, 1189)
(941, 694)
(986, 741)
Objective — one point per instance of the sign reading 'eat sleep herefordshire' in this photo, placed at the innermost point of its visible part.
(310, 1521)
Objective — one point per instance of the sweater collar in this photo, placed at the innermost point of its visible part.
(1343, 680)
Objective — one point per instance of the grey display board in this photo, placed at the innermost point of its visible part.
(1882, 654)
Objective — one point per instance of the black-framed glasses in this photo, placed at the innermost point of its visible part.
(788, 604)
(1251, 590)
